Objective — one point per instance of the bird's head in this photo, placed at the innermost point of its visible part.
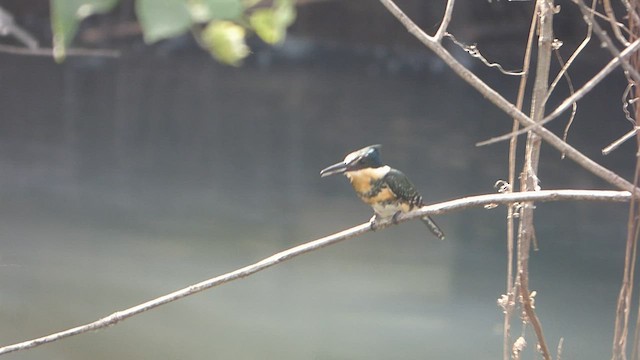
(365, 158)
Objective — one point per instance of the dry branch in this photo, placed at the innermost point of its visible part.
(48, 52)
(509, 305)
(529, 180)
(569, 101)
(504, 104)
(606, 40)
(445, 207)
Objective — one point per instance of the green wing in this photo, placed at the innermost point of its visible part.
(402, 187)
(404, 190)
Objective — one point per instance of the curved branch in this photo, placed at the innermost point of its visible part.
(441, 208)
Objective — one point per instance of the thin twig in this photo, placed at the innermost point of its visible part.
(574, 106)
(446, 19)
(529, 179)
(626, 94)
(604, 37)
(9, 27)
(503, 104)
(632, 15)
(559, 349)
(619, 59)
(529, 310)
(614, 145)
(623, 306)
(48, 52)
(445, 207)
(568, 102)
(565, 72)
(513, 142)
(475, 53)
(604, 17)
(611, 17)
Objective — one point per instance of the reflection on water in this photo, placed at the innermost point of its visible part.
(121, 182)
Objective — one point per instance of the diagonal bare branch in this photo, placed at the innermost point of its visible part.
(568, 102)
(48, 52)
(504, 104)
(446, 19)
(441, 208)
(604, 37)
(614, 145)
(620, 58)
(611, 17)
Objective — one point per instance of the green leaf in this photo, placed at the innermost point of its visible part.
(226, 42)
(206, 10)
(271, 24)
(162, 19)
(66, 15)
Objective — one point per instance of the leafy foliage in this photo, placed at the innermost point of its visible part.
(271, 24)
(162, 19)
(225, 41)
(224, 23)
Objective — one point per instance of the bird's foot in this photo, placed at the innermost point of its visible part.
(374, 223)
(394, 219)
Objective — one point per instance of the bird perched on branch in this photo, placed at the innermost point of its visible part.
(387, 190)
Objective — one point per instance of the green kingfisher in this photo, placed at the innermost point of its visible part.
(387, 190)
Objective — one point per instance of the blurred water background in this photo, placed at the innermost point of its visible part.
(122, 180)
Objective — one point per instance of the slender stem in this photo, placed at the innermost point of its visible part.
(513, 142)
(614, 145)
(48, 52)
(623, 306)
(602, 35)
(569, 101)
(504, 104)
(574, 55)
(611, 16)
(634, 25)
(446, 19)
(445, 207)
(529, 180)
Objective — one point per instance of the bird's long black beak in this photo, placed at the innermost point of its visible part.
(338, 168)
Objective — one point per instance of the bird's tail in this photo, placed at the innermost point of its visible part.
(435, 229)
